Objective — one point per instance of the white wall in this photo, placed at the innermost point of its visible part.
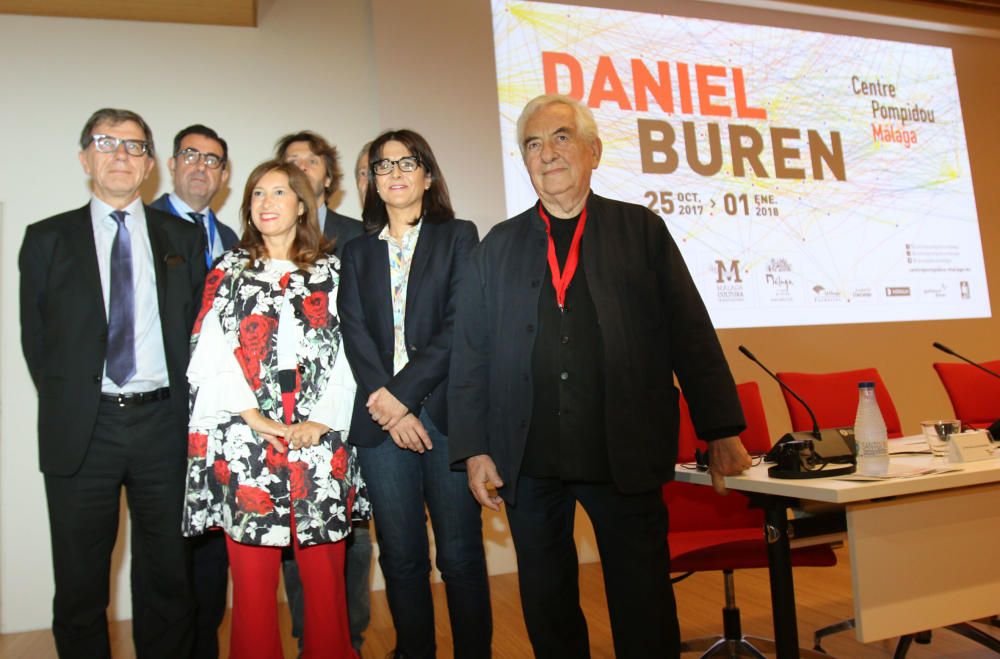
(307, 65)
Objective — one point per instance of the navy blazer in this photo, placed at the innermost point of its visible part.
(364, 302)
(341, 229)
(226, 235)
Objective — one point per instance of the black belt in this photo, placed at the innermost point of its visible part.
(141, 398)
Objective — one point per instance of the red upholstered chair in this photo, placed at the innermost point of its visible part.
(710, 532)
(833, 398)
(975, 396)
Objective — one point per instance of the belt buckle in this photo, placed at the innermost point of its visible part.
(121, 399)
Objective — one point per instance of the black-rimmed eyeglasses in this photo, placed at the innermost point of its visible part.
(109, 144)
(405, 164)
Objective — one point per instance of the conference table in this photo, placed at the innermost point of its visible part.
(925, 550)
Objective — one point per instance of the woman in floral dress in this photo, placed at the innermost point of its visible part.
(271, 400)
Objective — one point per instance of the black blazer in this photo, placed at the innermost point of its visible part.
(64, 329)
(364, 302)
(341, 228)
(226, 235)
(653, 326)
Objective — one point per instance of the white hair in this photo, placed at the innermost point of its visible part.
(585, 123)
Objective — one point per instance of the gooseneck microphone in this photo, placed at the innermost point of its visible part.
(808, 454)
(995, 428)
(750, 356)
(945, 349)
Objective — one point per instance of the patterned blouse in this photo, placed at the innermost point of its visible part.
(400, 257)
(236, 480)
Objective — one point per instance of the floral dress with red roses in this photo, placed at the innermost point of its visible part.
(255, 320)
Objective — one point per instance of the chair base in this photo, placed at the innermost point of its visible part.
(975, 634)
(835, 628)
(720, 646)
(732, 643)
(903, 645)
(745, 646)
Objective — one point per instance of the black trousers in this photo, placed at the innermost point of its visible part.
(210, 570)
(631, 532)
(142, 449)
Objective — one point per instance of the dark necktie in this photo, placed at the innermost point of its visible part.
(203, 221)
(121, 307)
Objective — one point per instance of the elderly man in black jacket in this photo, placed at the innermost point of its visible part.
(569, 331)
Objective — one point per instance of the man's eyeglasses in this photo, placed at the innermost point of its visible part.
(191, 156)
(109, 144)
(405, 164)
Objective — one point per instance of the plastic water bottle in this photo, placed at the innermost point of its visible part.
(869, 433)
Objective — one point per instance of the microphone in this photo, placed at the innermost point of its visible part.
(750, 356)
(831, 444)
(994, 429)
(947, 350)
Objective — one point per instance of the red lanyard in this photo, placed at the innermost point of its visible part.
(561, 280)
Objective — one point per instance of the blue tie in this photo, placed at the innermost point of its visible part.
(121, 307)
(203, 220)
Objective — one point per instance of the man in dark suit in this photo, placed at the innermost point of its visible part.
(318, 159)
(570, 328)
(199, 169)
(109, 293)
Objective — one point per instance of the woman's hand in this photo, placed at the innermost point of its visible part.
(306, 434)
(386, 410)
(410, 434)
(268, 430)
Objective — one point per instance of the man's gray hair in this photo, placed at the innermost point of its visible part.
(585, 123)
(114, 116)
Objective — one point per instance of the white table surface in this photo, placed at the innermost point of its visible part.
(833, 490)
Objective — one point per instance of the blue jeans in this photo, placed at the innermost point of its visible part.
(400, 484)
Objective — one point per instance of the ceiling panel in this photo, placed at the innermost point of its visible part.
(207, 12)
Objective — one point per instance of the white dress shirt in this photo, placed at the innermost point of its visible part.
(150, 356)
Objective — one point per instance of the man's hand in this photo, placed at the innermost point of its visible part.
(386, 410)
(483, 476)
(410, 434)
(726, 457)
(305, 434)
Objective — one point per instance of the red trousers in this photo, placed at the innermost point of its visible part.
(254, 631)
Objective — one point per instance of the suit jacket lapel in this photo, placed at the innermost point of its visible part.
(380, 283)
(82, 240)
(329, 230)
(421, 257)
(159, 243)
(595, 250)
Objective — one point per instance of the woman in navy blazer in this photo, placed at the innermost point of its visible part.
(397, 308)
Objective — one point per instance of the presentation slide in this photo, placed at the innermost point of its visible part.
(807, 178)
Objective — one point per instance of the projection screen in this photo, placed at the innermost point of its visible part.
(808, 178)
